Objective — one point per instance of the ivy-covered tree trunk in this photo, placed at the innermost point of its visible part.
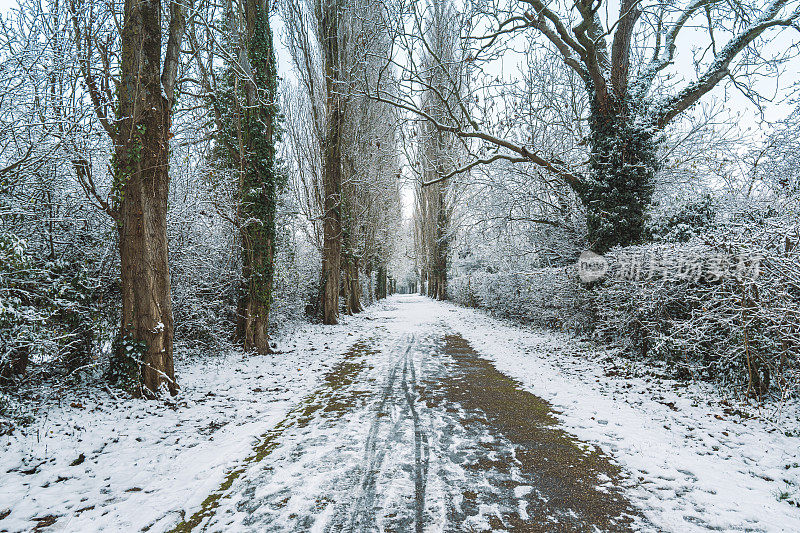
(259, 180)
(143, 356)
(619, 185)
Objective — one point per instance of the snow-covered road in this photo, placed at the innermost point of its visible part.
(416, 432)
(416, 416)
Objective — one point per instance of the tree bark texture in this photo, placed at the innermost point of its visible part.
(141, 162)
(331, 165)
(259, 182)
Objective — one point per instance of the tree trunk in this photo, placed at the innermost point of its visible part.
(331, 168)
(357, 293)
(370, 287)
(331, 249)
(622, 166)
(259, 184)
(141, 183)
(254, 304)
(355, 287)
(346, 285)
(381, 284)
(441, 246)
(351, 287)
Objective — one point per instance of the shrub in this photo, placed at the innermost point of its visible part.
(547, 297)
(737, 328)
(48, 311)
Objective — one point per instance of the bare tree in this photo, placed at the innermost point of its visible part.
(623, 63)
(437, 151)
(140, 131)
(316, 37)
(342, 144)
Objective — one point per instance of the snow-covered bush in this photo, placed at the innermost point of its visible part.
(546, 297)
(19, 318)
(297, 274)
(683, 221)
(724, 306)
(204, 277)
(743, 327)
(49, 310)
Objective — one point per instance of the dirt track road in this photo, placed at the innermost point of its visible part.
(412, 430)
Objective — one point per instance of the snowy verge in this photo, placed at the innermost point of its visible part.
(696, 460)
(93, 463)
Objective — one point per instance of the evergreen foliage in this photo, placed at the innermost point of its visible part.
(619, 186)
(261, 182)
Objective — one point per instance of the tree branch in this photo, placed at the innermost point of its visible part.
(621, 47)
(86, 70)
(660, 61)
(177, 27)
(719, 68)
(474, 164)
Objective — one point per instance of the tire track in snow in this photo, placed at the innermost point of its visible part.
(362, 513)
(421, 444)
(434, 438)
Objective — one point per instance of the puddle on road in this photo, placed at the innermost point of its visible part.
(540, 478)
(334, 397)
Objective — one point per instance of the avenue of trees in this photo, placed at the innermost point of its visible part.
(157, 180)
(162, 180)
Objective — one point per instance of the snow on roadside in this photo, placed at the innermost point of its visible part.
(697, 461)
(92, 464)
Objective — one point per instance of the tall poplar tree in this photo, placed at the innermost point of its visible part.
(246, 116)
(260, 183)
(140, 132)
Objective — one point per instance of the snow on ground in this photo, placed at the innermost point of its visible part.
(694, 461)
(92, 464)
(412, 429)
(698, 461)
